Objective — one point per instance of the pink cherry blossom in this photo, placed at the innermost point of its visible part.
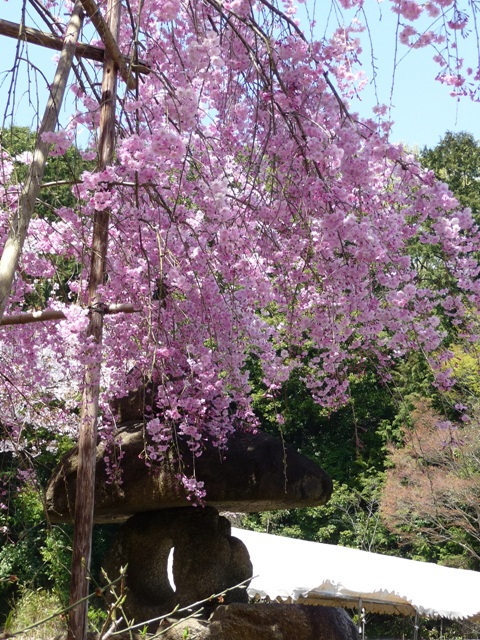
(253, 219)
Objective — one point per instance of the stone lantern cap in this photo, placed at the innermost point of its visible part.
(255, 473)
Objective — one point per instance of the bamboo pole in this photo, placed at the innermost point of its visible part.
(109, 40)
(85, 491)
(44, 39)
(24, 211)
(47, 315)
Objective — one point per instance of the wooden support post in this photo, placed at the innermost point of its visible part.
(28, 196)
(85, 491)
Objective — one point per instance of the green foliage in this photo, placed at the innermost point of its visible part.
(350, 519)
(456, 161)
(61, 173)
(96, 614)
(56, 554)
(345, 443)
(19, 551)
(465, 364)
(350, 444)
(32, 555)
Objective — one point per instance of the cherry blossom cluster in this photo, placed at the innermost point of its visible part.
(252, 218)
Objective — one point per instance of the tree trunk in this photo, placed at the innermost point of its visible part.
(85, 492)
(26, 205)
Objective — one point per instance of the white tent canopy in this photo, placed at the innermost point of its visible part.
(290, 570)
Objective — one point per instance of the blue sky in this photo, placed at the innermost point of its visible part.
(422, 108)
(27, 84)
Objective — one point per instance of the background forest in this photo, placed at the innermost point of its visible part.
(402, 485)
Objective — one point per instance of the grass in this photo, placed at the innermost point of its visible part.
(30, 607)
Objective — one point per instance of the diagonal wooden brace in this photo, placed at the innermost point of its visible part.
(108, 40)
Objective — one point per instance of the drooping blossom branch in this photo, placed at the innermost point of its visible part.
(254, 218)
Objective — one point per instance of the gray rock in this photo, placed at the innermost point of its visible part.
(207, 560)
(256, 473)
(268, 622)
(280, 622)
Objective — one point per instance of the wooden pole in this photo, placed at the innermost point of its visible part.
(109, 39)
(44, 39)
(48, 315)
(22, 215)
(85, 492)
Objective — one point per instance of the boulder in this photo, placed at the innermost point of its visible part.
(206, 561)
(256, 473)
(267, 622)
(280, 622)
